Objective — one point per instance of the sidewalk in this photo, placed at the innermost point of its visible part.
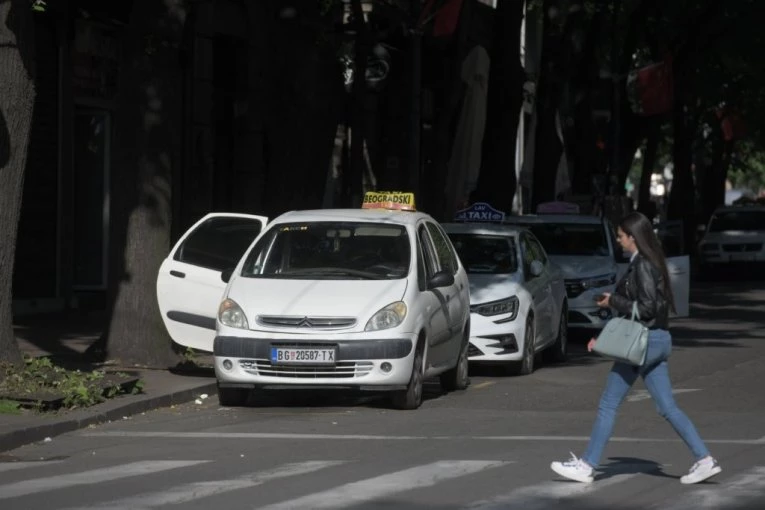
(67, 336)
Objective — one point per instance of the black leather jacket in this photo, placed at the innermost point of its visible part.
(642, 283)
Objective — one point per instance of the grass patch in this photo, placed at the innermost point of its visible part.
(10, 407)
(45, 386)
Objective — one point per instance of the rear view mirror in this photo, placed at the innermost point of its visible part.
(536, 268)
(441, 279)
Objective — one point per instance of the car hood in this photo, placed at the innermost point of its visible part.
(735, 236)
(328, 298)
(584, 266)
(492, 287)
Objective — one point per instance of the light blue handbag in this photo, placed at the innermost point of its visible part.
(624, 340)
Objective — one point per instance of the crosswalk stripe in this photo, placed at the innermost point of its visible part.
(749, 485)
(193, 491)
(12, 466)
(539, 496)
(379, 486)
(90, 477)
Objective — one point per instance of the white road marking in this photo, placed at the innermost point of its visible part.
(12, 466)
(356, 437)
(739, 491)
(540, 496)
(373, 488)
(38, 485)
(638, 395)
(193, 491)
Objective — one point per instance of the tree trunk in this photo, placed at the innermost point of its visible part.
(362, 47)
(497, 181)
(146, 152)
(17, 96)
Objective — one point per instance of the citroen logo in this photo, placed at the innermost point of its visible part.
(305, 322)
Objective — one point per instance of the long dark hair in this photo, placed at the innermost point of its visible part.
(639, 227)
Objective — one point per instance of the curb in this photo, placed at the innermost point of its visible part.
(84, 418)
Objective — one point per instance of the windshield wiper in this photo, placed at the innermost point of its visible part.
(328, 272)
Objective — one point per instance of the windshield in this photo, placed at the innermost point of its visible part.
(571, 238)
(486, 254)
(737, 220)
(330, 251)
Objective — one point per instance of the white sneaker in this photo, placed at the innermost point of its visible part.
(574, 469)
(701, 470)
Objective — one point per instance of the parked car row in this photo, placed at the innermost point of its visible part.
(382, 297)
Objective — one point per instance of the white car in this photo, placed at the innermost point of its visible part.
(365, 299)
(735, 234)
(517, 298)
(585, 249)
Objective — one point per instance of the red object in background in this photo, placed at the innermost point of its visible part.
(445, 15)
(731, 124)
(653, 88)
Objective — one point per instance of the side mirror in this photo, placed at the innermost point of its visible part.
(536, 268)
(226, 274)
(441, 279)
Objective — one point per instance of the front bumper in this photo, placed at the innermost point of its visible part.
(244, 361)
(583, 313)
(495, 343)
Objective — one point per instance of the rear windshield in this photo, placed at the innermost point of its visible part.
(571, 238)
(329, 250)
(486, 254)
(737, 220)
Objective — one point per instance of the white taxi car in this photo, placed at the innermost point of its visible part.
(366, 299)
(585, 249)
(735, 235)
(518, 301)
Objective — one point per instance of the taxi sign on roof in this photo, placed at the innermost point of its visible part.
(395, 200)
(480, 212)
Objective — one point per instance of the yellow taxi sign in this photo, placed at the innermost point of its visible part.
(393, 200)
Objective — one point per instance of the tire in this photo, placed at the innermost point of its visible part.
(526, 365)
(458, 378)
(411, 397)
(233, 397)
(558, 352)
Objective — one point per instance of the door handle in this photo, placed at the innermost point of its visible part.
(177, 274)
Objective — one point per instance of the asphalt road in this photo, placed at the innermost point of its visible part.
(485, 448)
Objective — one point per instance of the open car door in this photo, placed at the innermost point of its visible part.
(189, 284)
(679, 265)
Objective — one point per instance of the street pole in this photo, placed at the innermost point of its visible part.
(415, 105)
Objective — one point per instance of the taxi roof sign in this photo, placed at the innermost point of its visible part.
(480, 212)
(392, 200)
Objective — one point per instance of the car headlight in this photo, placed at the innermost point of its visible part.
(231, 314)
(599, 281)
(388, 317)
(503, 306)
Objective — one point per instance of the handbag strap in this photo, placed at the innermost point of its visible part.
(635, 312)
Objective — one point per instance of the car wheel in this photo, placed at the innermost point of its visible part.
(457, 378)
(558, 352)
(233, 397)
(411, 397)
(526, 365)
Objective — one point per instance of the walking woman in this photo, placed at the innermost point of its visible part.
(647, 282)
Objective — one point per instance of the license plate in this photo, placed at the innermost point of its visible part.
(303, 355)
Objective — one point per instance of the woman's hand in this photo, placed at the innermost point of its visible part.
(591, 344)
(605, 301)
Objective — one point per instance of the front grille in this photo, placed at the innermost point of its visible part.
(573, 289)
(343, 369)
(577, 318)
(292, 321)
(741, 247)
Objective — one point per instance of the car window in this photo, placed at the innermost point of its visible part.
(446, 259)
(528, 256)
(330, 250)
(486, 254)
(571, 238)
(218, 243)
(428, 252)
(537, 250)
(737, 220)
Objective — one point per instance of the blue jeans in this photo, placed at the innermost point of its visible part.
(655, 374)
